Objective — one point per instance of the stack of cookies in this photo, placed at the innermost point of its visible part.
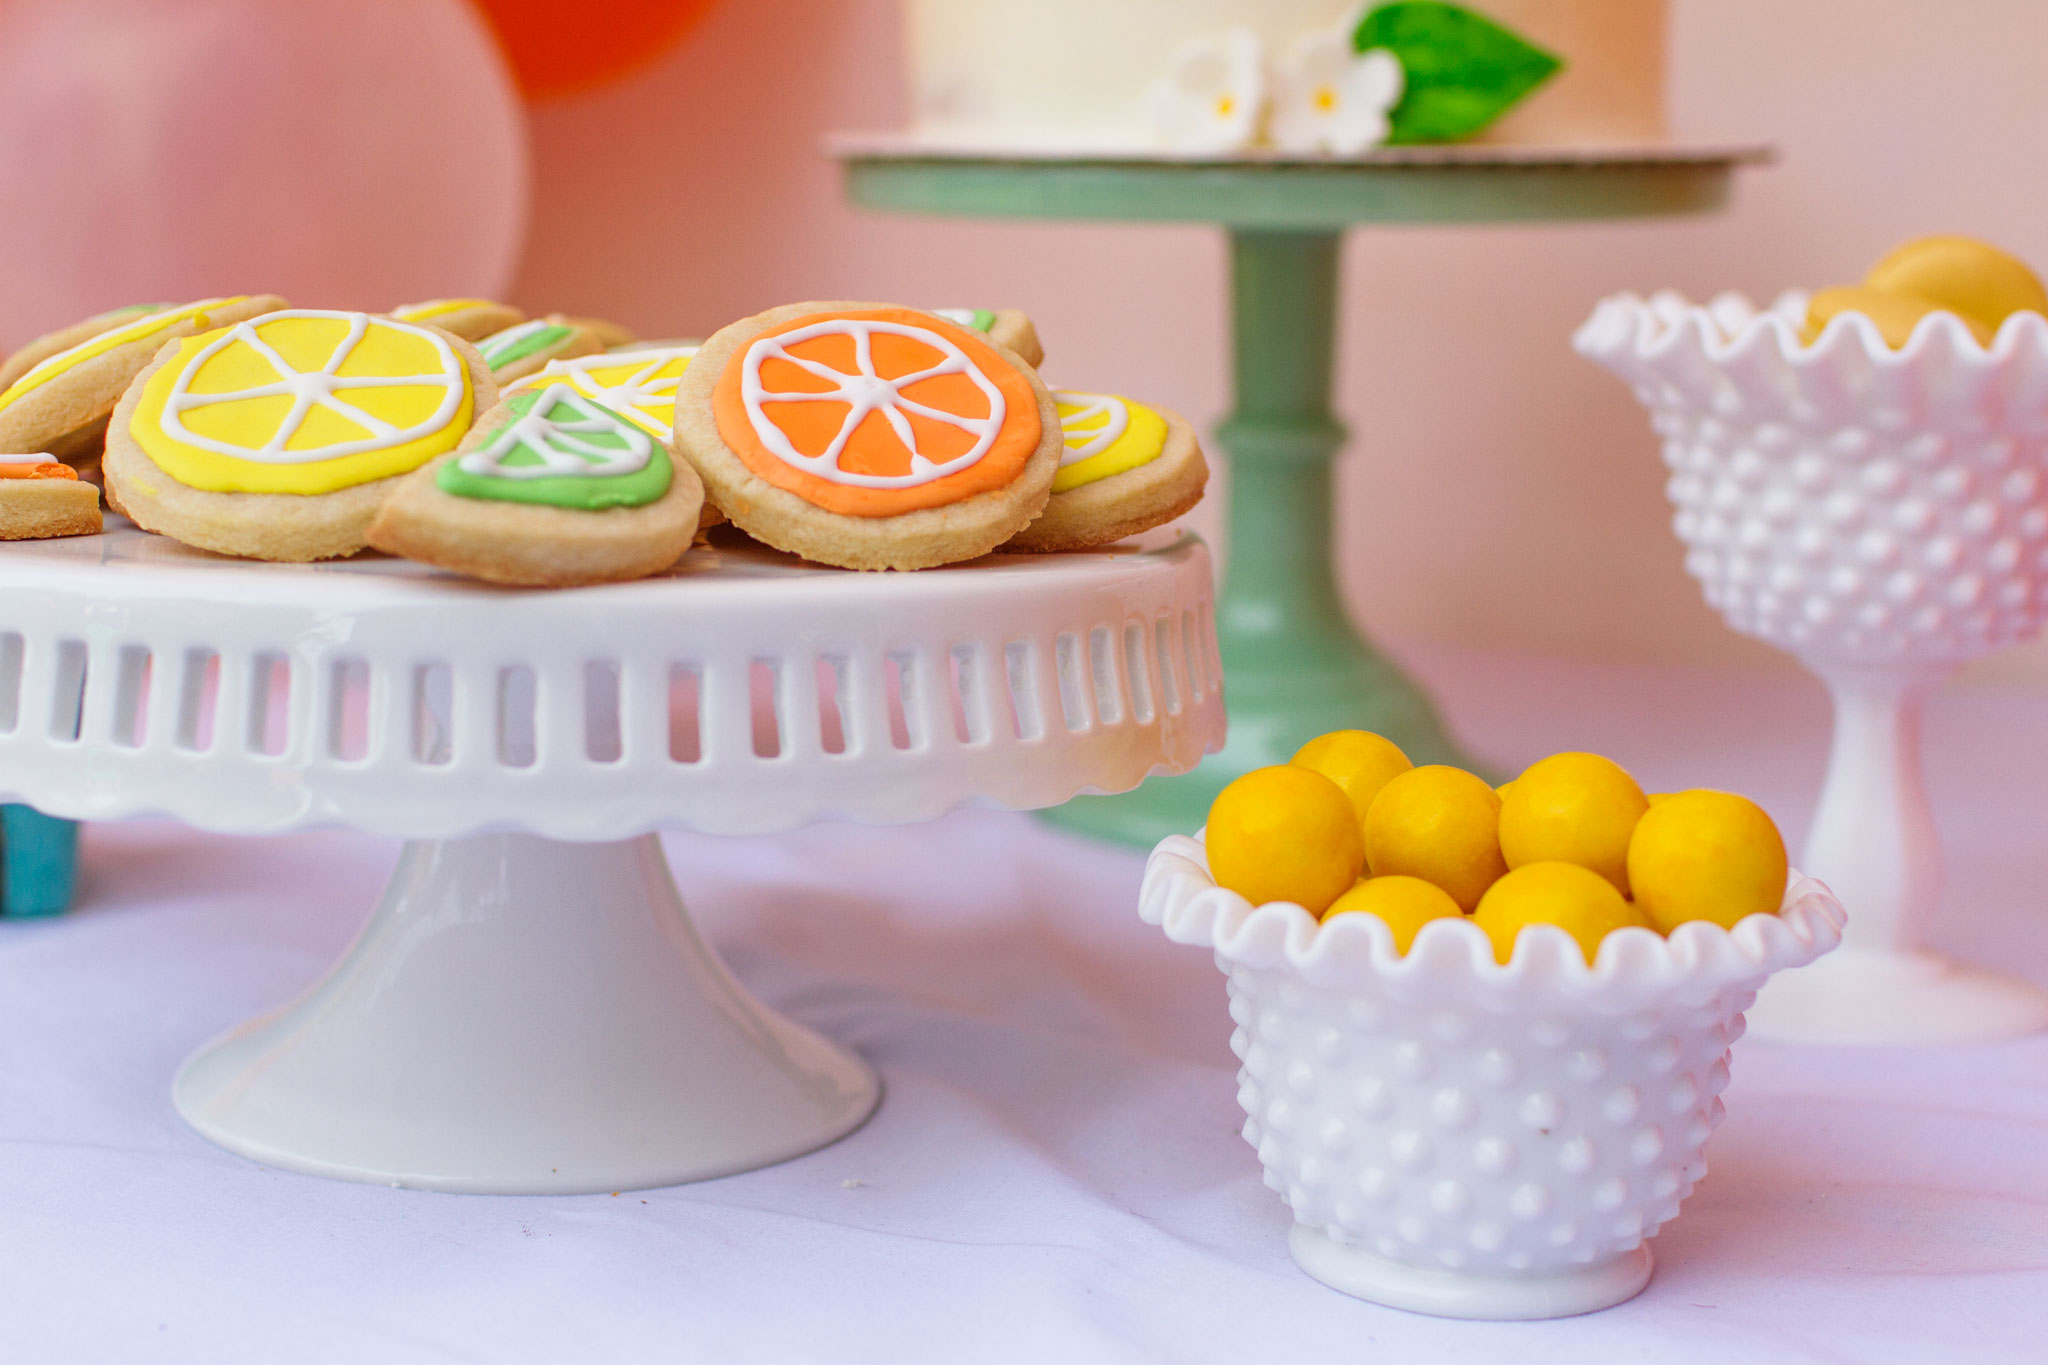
(558, 450)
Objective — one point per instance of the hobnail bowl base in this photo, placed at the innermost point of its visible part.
(1505, 1297)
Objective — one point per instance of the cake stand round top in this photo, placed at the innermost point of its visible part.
(1458, 183)
(741, 692)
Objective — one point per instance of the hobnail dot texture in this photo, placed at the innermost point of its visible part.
(1844, 500)
(1863, 545)
(1461, 1140)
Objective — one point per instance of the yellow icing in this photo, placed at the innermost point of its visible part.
(438, 308)
(1143, 441)
(52, 366)
(649, 404)
(306, 342)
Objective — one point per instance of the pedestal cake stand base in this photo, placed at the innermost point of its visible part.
(526, 1016)
(1896, 998)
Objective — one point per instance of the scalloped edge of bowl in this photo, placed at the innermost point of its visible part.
(1453, 959)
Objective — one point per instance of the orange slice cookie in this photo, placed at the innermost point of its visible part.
(868, 436)
(470, 319)
(1125, 468)
(41, 497)
(278, 438)
(1008, 326)
(61, 403)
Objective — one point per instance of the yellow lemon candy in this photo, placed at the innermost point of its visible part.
(1285, 834)
(1573, 808)
(1896, 315)
(1706, 855)
(1581, 902)
(1438, 823)
(1962, 274)
(1405, 903)
(1659, 798)
(1357, 760)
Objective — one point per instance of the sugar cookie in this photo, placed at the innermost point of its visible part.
(637, 382)
(610, 335)
(278, 437)
(868, 435)
(525, 348)
(61, 404)
(1006, 325)
(41, 497)
(63, 339)
(470, 319)
(1124, 468)
(548, 489)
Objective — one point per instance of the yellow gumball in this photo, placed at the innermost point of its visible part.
(1357, 760)
(1285, 834)
(1573, 808)
(1438, 823)
(1405, 903)
(1962, 274)
(1706, 855)
(1577, 900)
(1895, 315)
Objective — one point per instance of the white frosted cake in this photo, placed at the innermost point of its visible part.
(1307, 76)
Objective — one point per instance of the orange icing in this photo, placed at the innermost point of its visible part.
(874, 447)
(36, 469)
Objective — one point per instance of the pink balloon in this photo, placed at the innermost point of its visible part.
(360, 153)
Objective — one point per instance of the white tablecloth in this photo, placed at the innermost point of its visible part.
(1055, 1173)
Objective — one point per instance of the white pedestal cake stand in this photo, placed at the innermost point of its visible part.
(529, 1009)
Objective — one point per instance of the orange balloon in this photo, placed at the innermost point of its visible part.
(558, 50)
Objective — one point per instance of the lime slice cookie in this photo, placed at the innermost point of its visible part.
(549, 489)
(279, 437)
(867, 436)
(470, 319)
(526, 348)
(60, 404)
(1004, 326)
(1124, 468)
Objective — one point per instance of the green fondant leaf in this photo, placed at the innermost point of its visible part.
(1462, 70)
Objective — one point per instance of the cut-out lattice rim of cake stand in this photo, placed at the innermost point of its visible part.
(529, 1009)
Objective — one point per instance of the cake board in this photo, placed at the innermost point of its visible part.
(529, 1009)
(1297, 665)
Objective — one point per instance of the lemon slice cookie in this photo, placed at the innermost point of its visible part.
(470, 319)
(278, 437)
(64, 338)
(868, 436)
(1124, 468)
(60, 405)
(549, 489)
(1005, 325)
(41, 497)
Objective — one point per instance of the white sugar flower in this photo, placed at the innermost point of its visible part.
(1328, 98)
(1213, 96)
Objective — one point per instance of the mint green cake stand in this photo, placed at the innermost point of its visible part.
(1294, 666)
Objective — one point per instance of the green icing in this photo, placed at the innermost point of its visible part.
(983, 320)
(517, 343)
(1462, 71)
(573, 429)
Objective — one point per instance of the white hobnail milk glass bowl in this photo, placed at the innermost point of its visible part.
(1883, 514)
(1469, 1139)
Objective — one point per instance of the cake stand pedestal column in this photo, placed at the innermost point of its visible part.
(1296, 667)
